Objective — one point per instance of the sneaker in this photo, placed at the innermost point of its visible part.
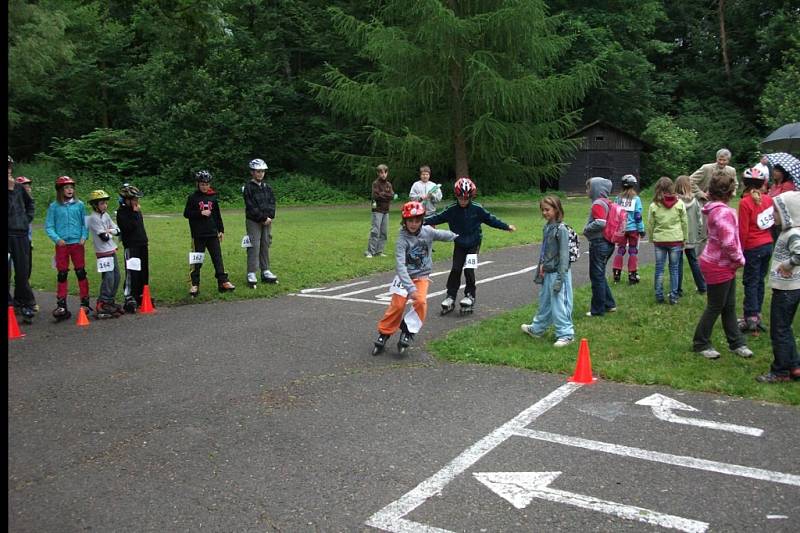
(226, 286)
(612, 310)
(382, 255)
(795, 373)
(563, 341)
(589, 313)
(772, 377)
(368, 255)
(709, 353)
(268, 277)
(193, 290)
(743, 351)
(528, 329)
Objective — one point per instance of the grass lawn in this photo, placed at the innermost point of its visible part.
(313, 246)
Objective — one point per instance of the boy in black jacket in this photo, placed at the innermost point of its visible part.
(259, 204)
(20, 215)
(205, 223)
(134, 240)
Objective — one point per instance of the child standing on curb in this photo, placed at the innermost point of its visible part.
(668, 229)
(259, 207)
(103, 231)
(695, 234)
(720, 260)
(553, 273)
(413, 266)
(465, 218)
(65, 224)
(634, 229)
(784, 278)
(134, 239)
(756, 218)
(205, 223)
(600, 249)
(382, 196)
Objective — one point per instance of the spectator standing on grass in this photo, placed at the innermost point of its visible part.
(784, 278)
(134, 240)
(425, 191)
(695, 236)
(259, 206)
(668, 229)
(701, 177)
(720, 260)
(600, 250)
(382, 196)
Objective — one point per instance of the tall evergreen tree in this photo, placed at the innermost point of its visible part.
(471, 86)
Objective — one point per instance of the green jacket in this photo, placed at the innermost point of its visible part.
(667, 224)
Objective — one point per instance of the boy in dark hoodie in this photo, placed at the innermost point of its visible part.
(205, 223)
(20, 215)
(600, 250)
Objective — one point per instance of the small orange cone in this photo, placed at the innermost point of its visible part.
(13, 327)
(83, 320)
(147, 304)
(583, 369)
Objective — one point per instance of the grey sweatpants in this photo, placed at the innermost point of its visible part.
(260, 241)
(378, 234)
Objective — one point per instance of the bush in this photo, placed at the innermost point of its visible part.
(105, 153)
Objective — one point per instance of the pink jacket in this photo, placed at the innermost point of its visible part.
(722, 255)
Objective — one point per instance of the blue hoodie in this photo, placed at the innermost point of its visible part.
(66, 221)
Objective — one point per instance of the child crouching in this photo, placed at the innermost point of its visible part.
(413, 266)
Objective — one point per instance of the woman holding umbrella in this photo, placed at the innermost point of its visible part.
(785, 173)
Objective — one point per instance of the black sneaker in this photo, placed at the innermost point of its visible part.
(772, 377)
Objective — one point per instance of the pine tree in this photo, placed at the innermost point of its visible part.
(471, 85)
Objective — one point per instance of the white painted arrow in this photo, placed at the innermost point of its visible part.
(520, 488)
(663, 406)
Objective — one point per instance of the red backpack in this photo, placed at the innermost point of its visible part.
(616, 221)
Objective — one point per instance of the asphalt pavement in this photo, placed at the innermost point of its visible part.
(272, 415)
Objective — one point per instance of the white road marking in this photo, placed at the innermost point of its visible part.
(487, 280)
(664, 405)
(520, 488)
(658, 457)
(390, 518)
(331, 289)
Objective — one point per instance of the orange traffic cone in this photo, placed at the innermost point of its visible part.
(13, 327)
(583, 369)
(147, 304)
(83, 320)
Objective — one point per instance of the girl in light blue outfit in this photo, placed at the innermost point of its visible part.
(554, 276)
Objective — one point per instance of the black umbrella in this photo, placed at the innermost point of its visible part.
(784, 139)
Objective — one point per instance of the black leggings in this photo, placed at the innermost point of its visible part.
(454, 280)
(201, 244)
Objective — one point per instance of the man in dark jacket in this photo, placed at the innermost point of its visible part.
(259, 205)
(20, 215)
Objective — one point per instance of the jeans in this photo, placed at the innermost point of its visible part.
(781, 315)
(694, 266)
(756, 266)
(109, 283)
(721, 300)
(378, 233)
(674, 255)
(555, 308)
(600, 251)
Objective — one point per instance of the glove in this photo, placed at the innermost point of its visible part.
(642, 234)
(557, 286)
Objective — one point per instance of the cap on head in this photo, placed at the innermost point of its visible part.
(258, 164)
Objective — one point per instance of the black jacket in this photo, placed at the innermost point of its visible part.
(20, 211)
(200, 225)
(259, 201)
(131, 227)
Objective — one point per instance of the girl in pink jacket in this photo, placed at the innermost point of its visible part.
(720, 260)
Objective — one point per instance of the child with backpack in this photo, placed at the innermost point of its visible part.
(604, 228)
(668, 228)
(634, 229)
(554, 275)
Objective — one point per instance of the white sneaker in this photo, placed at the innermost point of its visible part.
(368, 255)
(710, 353)
(743, 351)
(251, 277)
(527, 328)
(563, 341)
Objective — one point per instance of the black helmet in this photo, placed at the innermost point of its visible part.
(203, 176)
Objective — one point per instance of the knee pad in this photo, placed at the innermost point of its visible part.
(633, 250)
(620, 250)
(81, 273)
(62, 275)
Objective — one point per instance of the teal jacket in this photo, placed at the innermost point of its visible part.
(67, 222)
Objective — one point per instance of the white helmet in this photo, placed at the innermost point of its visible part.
(629, 180)
(258, 164)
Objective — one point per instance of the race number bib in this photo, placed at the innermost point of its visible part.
(105, 264)
(397, 287)
(246, 242)
(196, 258)
(766, 218)
(471, 261)
(134, 263)
(628, 204)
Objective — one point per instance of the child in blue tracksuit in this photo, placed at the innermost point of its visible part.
(465, 219)
(634, 229)
(554, 276)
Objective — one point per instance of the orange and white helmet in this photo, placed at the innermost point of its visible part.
(413, 209)
(465, 188)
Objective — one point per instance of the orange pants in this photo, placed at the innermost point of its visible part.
(391, 320)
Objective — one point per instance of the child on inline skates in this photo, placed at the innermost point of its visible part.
(134, 241)
(634, 229)
(414, 265)
(465, 219)
(20, 214)
(103, 231)
(65, 224)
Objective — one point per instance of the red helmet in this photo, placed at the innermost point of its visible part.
(64, 180)
(22, 179)
(465, 188)
(413, 209)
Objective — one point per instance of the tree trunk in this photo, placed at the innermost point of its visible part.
(457, 110)
(724, 39)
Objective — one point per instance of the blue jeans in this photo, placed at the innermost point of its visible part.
(756, 266)
(600, 251)
(781, 315)
(555, 308)
(674, 254)
(694, 265)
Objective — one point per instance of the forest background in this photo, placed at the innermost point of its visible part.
(150, 91)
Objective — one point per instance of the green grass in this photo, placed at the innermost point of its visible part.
(642, 343)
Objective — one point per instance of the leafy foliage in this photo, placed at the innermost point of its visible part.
(106, 153)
